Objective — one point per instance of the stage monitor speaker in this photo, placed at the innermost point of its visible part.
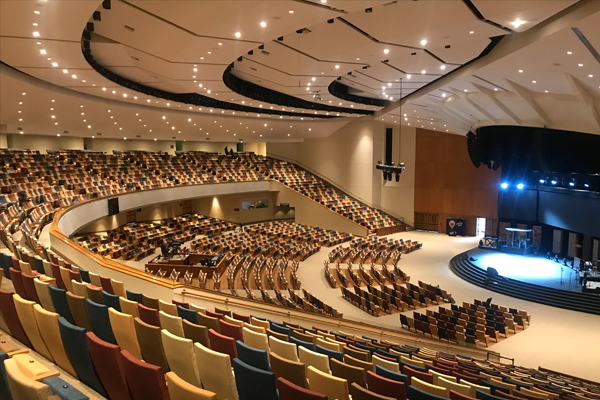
(113, 206)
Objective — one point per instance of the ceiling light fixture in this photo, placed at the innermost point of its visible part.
(337, 67)
(42, 51)
(385, 51)
(36, 34)
(569, 52)
(423, 42)
(263, 24)
(517, 23)
(54, 64)
(238, 35)
(442, 67)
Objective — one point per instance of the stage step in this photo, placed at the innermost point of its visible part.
(584, 302)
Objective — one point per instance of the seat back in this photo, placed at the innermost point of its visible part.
(257, 340)
(29, 287)
(149, 315)
(171, 323)
(75, 343)
(222, 344)
(58, 276)
(253, 383)
(330, 353)
(360, 393)
(233, 331)
(78, 309)
(196, 333)
(134, 296)
(181, 390)
(410, 372)
(329, 385)
(181, 357)
(43, 292)
(215, 372)
(367, 366)
(150, 302)
(428, 387)
(311, 358)
(150, 342)
(386, 387)
(118, 288)
(251, 356)
(457, 387)
(392, 366)
(94, 293)
(420, 394)
(61, 305)
(168, 308)
(26, 315)
(110, 300)
(386, 373)
(107, 361)
(129, 307)
(292, 371)
(144, 380)
(10, 316)
(209, 322)
(79, 288)
(100, 321)
(283, 349)
(124, 332)
(289, 391)
(348, 372)
(17, 281)
(106, 285)
(48, 324)
(187, 314)
(66, 278)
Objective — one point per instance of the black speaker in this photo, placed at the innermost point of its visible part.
(106, 4)
(113, 206)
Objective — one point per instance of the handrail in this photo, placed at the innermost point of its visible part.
(506, 358)
(542, 369)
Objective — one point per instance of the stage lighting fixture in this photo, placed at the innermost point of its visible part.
(504, 185)
(542, 181)
(572, 182)
(397, 177)
(586, 184)
(554, 180)
(520, 186)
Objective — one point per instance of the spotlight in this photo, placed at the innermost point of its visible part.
(504, 185)
(520, 186)
(572, 182)
(397, 177)
(554, 180)
(542, 181)
(587, 184)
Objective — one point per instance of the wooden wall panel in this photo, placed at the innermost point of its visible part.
(447, 183)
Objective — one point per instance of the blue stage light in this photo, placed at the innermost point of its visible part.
(587, 185)
(572, 182)
(504, 185)
(520, 186)
(542, 181)
(554, 181)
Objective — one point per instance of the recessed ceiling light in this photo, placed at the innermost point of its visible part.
(114, 92)
(472, 32)
(569, 52)
(517, 23)
(442, 67)
(104, 89)
(591, 76)
(65, 71)
(465, 90)
(581, 65)
(443, 94)
(337, 67)
(291, 11)
(385, 51)
(36, 34)
(423, 72)
(74, 76)
(237, 34)
(263, 24)
(220, 44)
(314, 79)
(323, 1)
(89, 127)
(545, 91)
(520, 71)
(496, 89)
(42, 51)
(35, 24)
(408, 76)
(36, 12)
(423, 42)
(533, 81)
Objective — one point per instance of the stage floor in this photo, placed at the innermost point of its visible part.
(531, 269)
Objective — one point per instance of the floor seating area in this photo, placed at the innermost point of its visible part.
(139, 240)
(300, 233)
(471, 324)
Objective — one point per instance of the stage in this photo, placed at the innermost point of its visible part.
(530, 269)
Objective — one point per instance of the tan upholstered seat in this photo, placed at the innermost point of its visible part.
(209, 322)
(171, 323)
(429, 388)
(260, 322)
(118, 288)
(329, 345)
(94, 293)
(168, 308)
(254, 328)
(256, 340)
(197, 333)
(473, 388)
(392, 366)
(216, 373)
(348, 372)
(47, 268)
(124, 330)
(294, 372)
(232, 321)
(66, 277)
(457, 387)
(30, 326)
(150, 342)
(181, 357)
(41, 288)
(283, 349)
(128, 306)
(329, 385)
(23, 387)
(367, 366)
(200, 310)
(311, 358)
(48, 324)
(437, 375)
(95, 280)
(79, 288)
(181, 390)
(78, 310)
(26, 268)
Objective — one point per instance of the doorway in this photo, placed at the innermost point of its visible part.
(480, 226)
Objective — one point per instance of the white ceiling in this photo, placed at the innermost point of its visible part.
(171, 38)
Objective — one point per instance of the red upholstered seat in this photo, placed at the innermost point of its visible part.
(106, 284)
(15, 263)
(500, 393)
(149, 315)
(109, 366)
(240, 317)
(417, 374)
(30, 288)
(233, 331)
(56, 275)
(289, 391)
(17, 280)
(454, 395)
(385, 387)
(9, 313)
(74, 276)
(222, 344)
(181, 303)
(145, 381)
(214, 315)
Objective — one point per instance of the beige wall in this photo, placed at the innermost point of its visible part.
(43, 143)
(259, 148)
(108, 145)
(213, 147)
(104, 224)
(222, 207)
(159, 211)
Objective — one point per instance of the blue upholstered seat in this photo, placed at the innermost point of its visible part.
(330, 353)
(85, 275)
(4, 389)
(302, 343)
(111, 300)
(252, 356)
(98, 315)
(59, 299)
(393, 356)
(395, 376)
(190, 315)
(134, 296)
(64, 390)
(485, 396)
(75, 343)
(280, 328)
(417, 394)
(253, 383)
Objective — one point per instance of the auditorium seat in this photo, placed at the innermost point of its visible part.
(110, 300)
(94, 293)
(330, 353)
(181, 357)
(289, 391)
(145, 381)
(78, 309)
(330, 386)
(253, 383)
(124, 332)
(107, 361)
(181, 390)
(301, 343)
(292, 371)
(10, 316)
(100, 321)
(17, 281)
(66, 278)
(128, 307)
(415, 393)
(215, 372)
(106, 284)
(79, 288)
(436, 375)
(254, 357)
(222, 344)
(75, 342)
(392, 366)
(314, 359)
(233, 321)
(457, 387)
(283, 349)
(196, 333)
(171, 323)
(149, 315)
(257, 340)
(29, 287)
(167, 308)
(209, 322)
(385, 386)
(150, 302)
(190, 315)
(43, 292)
(118, 288)
(233, 331)
(24, 309)
(428, 387)
(411, 372)
(150, 342)
(48, 325)
(134, 296)
(360, 393)
(198, 309)
(348, 372)
(367, 366)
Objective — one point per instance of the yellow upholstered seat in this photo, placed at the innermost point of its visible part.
(48, 324)
(30, 326)
(329, 385)
(429, 388)
(123, 328)
(181, 357)
(181, 390)
(171, 323)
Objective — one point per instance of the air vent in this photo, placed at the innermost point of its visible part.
(66, 132)
(266, 53)
(303, 30)
(207, 138)
(129, 28)
(19, 128)
(99, 134)
(173, 137)
(137, 136)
